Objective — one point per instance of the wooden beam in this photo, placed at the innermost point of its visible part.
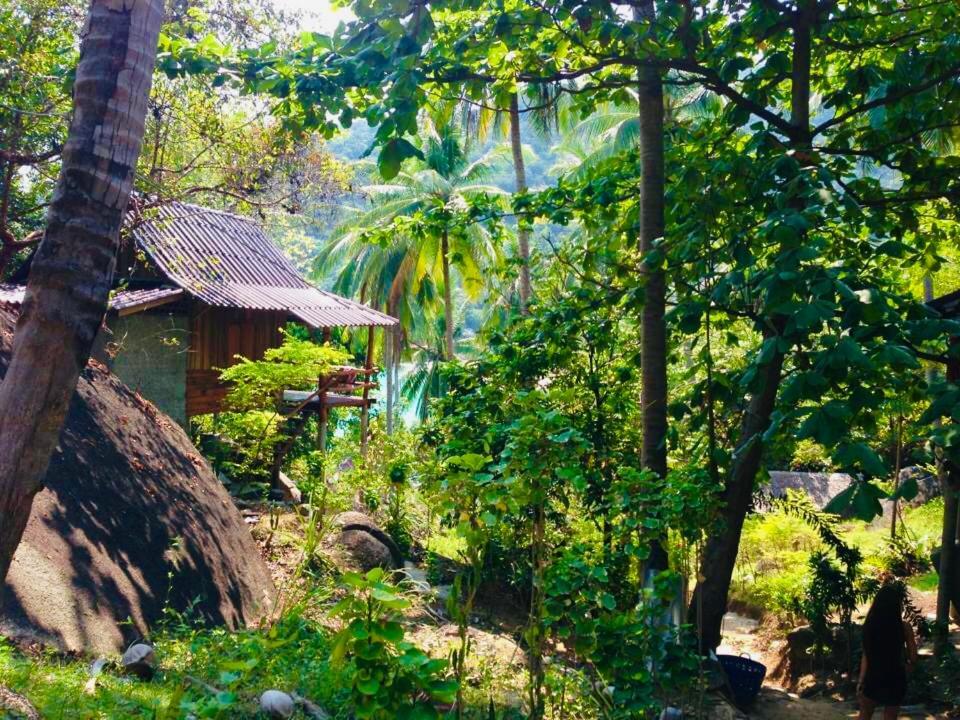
(365, 411)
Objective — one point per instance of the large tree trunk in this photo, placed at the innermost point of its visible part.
(447, 297)
(653, 342)
(709, 603)
(523, 229)
(949, 563)
(72, 272)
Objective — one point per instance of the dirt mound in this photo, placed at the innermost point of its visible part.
(131, 520)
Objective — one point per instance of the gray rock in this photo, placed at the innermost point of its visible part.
(139, 660)
(276, 704)
(367, 544)
(928, 486)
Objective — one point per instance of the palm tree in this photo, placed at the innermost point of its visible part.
(415, 268)
(615, 127)
(66, 301)
(483, 115)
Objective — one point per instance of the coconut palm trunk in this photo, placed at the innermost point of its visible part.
(447, 296)
(70, 278)
(653, 342)
(523, 229)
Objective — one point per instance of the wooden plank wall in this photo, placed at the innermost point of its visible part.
(217, 336)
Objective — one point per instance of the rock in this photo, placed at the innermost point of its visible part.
(288, 489)
(928, 486)
(139, 660)
(276, 704)
(808, 686)
(798, 669)
(130, 519)
(717, 707)
(366, 543)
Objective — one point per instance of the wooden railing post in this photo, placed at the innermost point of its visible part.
(365, 410)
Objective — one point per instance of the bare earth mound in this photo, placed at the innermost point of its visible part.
(131, 520)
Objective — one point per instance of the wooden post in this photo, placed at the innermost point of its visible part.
(365, 410)
(322, 420)
(389, 347)
(322, 384)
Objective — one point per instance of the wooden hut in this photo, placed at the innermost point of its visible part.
(198, 287)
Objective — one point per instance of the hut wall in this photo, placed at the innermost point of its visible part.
(217, 336)
(149, 354)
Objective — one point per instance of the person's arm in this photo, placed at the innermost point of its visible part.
(863, 673)
(911, 640)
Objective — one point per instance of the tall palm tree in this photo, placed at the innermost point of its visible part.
(409, 268)
(482, 116)
(71, 273)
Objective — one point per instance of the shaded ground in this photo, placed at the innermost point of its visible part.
(745, 636)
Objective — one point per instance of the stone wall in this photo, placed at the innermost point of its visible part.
(149, 354)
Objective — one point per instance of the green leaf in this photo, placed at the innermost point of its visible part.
(368, 686)
(859, 455)
(861, 500)
(907, 490)
(392, 155)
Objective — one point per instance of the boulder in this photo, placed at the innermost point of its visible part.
(131, 520)
(140, 660)
(276, 704)
(797, 662)
(928, 485)
(366, 543)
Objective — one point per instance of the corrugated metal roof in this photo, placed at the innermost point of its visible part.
(947, 305)
(227, 261)
(128, 300)
(12, 296)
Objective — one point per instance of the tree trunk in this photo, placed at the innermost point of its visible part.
(949, 564)
(523, 228)
(948, 556)
(709, 603)
(653, 340)
(72, 272)
(720, 552)
(447, 297)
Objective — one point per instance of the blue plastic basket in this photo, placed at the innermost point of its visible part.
(745, 677)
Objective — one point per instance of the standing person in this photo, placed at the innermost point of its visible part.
(889, 654)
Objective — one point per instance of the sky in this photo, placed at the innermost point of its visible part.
(318, 14)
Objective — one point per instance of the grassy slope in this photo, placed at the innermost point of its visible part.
(292, 656)
(772, 568)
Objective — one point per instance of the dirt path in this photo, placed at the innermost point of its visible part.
(775, 703)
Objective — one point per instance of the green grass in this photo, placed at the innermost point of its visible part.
(292, 655)
(772, 570)
(446, 542)
(925, 582)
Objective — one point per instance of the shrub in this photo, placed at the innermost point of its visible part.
(390, 678)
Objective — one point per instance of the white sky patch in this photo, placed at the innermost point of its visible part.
(319, 15)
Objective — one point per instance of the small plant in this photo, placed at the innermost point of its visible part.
(906, 557)
(398, 524)
(391, 678)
